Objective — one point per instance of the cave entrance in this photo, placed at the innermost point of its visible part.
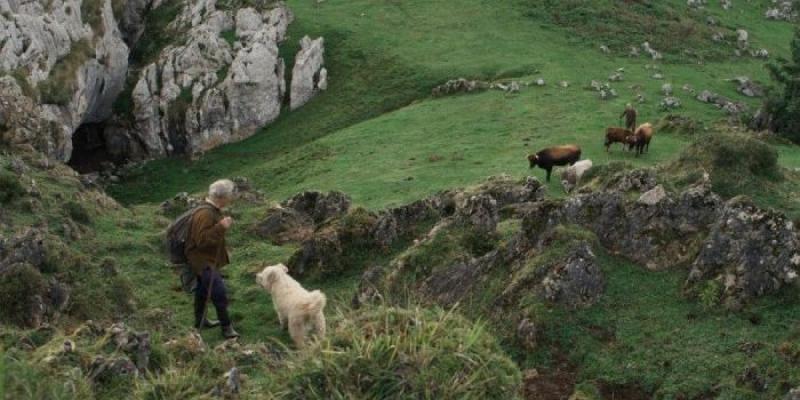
(89, 150)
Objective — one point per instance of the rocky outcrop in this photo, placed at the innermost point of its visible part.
(575, 280)
(750, 251)
(320, 206)
(284, 225)
(68, 71)
(219, 81)
(131, 23)
(308, 75)
(782, 10)
(207, 91)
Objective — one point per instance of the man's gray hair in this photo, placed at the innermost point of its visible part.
(221, 189)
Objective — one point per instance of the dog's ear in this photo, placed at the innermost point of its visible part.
(285, 268)
(271, 277)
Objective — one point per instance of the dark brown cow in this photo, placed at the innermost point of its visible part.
(617, 135)
(547, 158)
(641, 139)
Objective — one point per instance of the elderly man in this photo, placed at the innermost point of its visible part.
(630, 117)
(207, 254)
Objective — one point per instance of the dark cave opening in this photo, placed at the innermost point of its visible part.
(89, 149)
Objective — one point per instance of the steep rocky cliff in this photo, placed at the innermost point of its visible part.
(64, 64)
(217, 79)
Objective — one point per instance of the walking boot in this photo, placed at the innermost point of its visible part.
(229, 333)
(200, 320)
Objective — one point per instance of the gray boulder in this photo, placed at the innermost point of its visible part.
(750, 250)
(320, 206)
(307, 71)
(205, 92)
(574, 281)
(653, 196)
(481, 213)
(284, 225)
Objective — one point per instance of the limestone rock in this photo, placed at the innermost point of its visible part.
(320, 206)
(206, 92)
(670, 103)
(284, 225)
(459, 85)
(481, 213)
(39, 34)
(575, 281)
(653, 196)
(752, 251)
(307, 71)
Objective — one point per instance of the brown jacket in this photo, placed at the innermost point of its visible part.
(205, 246)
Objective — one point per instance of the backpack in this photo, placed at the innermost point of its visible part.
(177, 235)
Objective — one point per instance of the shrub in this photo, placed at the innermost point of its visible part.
(783, 105)
(92, 14)
(735, 161)
(78, 213)
(10, 187)
(711, 294)
(390, 353)
(19, 287)
(59, 86)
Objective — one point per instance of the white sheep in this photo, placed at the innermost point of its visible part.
(571, 175)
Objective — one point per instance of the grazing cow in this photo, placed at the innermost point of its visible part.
(552, 156)
(641, 139)
(617, 135)
(571, 175)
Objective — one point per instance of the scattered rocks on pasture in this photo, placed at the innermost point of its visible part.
(655, 55)
(670, 103)
(747, 87)
(782, 10)
(459, 85)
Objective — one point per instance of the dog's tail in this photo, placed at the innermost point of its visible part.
(315, 303)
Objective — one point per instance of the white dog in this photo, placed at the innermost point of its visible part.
(301, 309)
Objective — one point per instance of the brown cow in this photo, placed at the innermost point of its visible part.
(617, 135)
(547, 158)
(641, 139)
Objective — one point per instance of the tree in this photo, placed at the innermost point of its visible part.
(782, 106)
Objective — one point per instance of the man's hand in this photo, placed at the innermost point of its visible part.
(226, 222)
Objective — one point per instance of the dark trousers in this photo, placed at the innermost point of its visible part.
(211, 287)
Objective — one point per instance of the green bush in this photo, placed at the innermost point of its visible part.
(10, 186)
(711, 294)
(92, 14)
(392, 353)
(77, 212)
(783, 105)
(737, 163)
(59, 86)
(19, 286)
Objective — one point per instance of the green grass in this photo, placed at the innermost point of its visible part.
(675, 347)
(377, 135)
(380, 157)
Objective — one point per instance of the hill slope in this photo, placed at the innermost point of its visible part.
(379, 135)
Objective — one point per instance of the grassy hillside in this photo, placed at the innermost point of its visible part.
(375, 70)
(379, 136)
